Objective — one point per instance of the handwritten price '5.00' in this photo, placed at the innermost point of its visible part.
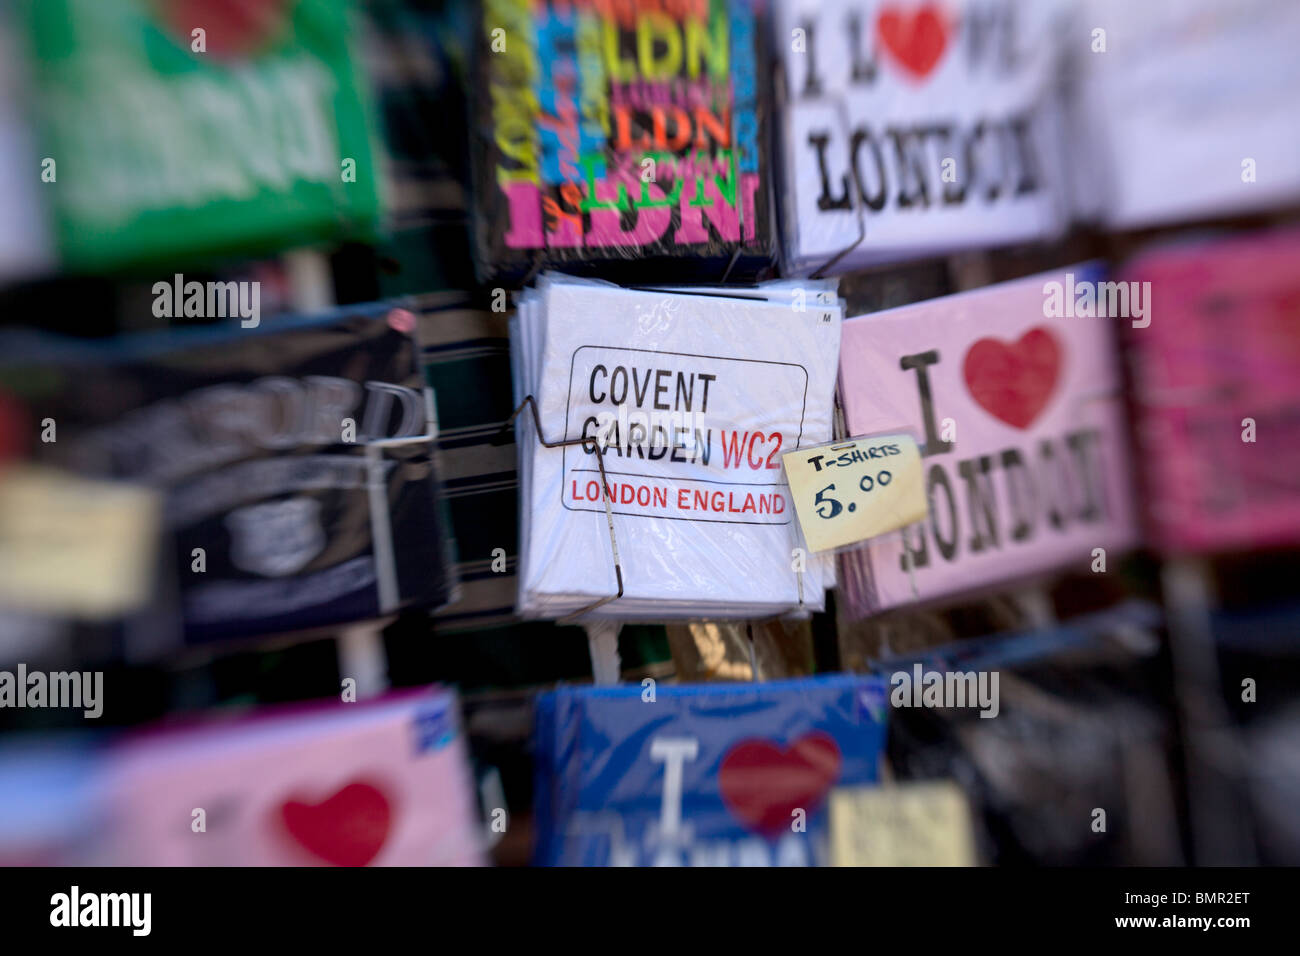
(833, 508)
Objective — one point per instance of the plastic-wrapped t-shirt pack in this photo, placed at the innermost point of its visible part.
(692, 397)
(351, 345)
(293, 463)
(720, 775)
(622, 138)
(914, 130)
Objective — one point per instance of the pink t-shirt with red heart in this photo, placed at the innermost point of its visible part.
(375, 783)
(1018, 414)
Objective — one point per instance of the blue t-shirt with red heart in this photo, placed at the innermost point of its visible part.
(701, 775)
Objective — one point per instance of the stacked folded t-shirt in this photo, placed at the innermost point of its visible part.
(708, 775)
(694, 395)
(1183, 110)
(914, 130)
(622, 138)
(384, 782)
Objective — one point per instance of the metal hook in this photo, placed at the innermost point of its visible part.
(821, 270)
(530, 403)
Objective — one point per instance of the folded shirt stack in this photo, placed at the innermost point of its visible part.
(694, 395)
(622, 139)
(918, 130)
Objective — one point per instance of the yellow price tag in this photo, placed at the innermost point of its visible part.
(69, 545)
(856, 489)
(909, 824)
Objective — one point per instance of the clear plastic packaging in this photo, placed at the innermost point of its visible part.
(625, 140)
(694, 397)
(916, 130)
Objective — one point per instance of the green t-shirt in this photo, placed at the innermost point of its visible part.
(188, 129)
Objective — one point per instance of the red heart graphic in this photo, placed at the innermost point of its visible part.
(916, 40)
(763, 784)
(233, 29)
(347, 829)
(1014, 382)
